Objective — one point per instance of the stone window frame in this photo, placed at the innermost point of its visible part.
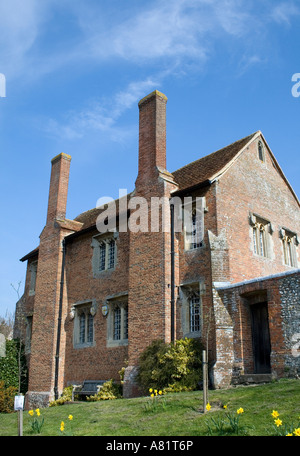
(187, 293)
(261, 231)
(33, 275)
(289, 245)
(88, 309)
(191, 210)
(117, 306)
(28, 333)
(261, 151)
(98, 242)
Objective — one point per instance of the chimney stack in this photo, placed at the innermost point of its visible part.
(152, 135)
(58, 193)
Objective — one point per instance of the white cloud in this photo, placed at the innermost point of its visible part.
(20, 24)
(176, 30)
(100, 117)
(284, 12)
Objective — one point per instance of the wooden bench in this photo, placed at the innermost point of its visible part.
(87, 388)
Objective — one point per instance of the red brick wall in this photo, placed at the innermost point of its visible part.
(252, 186)
(97, 362)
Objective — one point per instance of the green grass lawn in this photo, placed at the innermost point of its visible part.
(176, 414)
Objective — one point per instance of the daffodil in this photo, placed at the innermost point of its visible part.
(150, 390)
(160, 392)
(297, 432)
(289, 435)
(38, 412)
(31, 412)
(70, 417)
(240, 410)
(278, 422)
(275, 414)
(152, 395)
(224, 406)
(208, 407)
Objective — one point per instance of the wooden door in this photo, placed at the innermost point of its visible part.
(261, 338)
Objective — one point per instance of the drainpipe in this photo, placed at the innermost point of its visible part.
(172, 276)
(59, 319)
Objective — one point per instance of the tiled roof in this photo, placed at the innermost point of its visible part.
(188, 176)
(195, 173)
(89, 218)
(207, 167)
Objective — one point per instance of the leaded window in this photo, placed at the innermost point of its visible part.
(117, 323)
(261, 230)
(289, 241)
(194, 314)
(84, 325)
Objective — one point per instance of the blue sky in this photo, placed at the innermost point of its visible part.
(76, 69)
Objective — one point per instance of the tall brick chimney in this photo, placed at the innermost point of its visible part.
(149, 297)
(58, 192)
(152, 136)
(46, 373)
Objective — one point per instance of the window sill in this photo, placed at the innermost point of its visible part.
(111, 343)
(85, 345)
(193, 335)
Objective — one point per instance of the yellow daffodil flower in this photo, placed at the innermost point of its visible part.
(38, 412)
(208, 407)
(150, 390)
(297, 432)
(224, 406)
(70, 417)
(62, 426)
(240, 410)
(275, 414)
(278, 422)
(160, 392)
(31, 412)
(289, 435)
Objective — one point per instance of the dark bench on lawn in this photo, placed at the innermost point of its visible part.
(87, 388)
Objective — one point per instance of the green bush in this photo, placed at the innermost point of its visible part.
(109, 390)
(65, 397)
(9, 366)
(172, 367)
(7, 397)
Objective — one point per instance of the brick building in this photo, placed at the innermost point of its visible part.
(93, 300)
